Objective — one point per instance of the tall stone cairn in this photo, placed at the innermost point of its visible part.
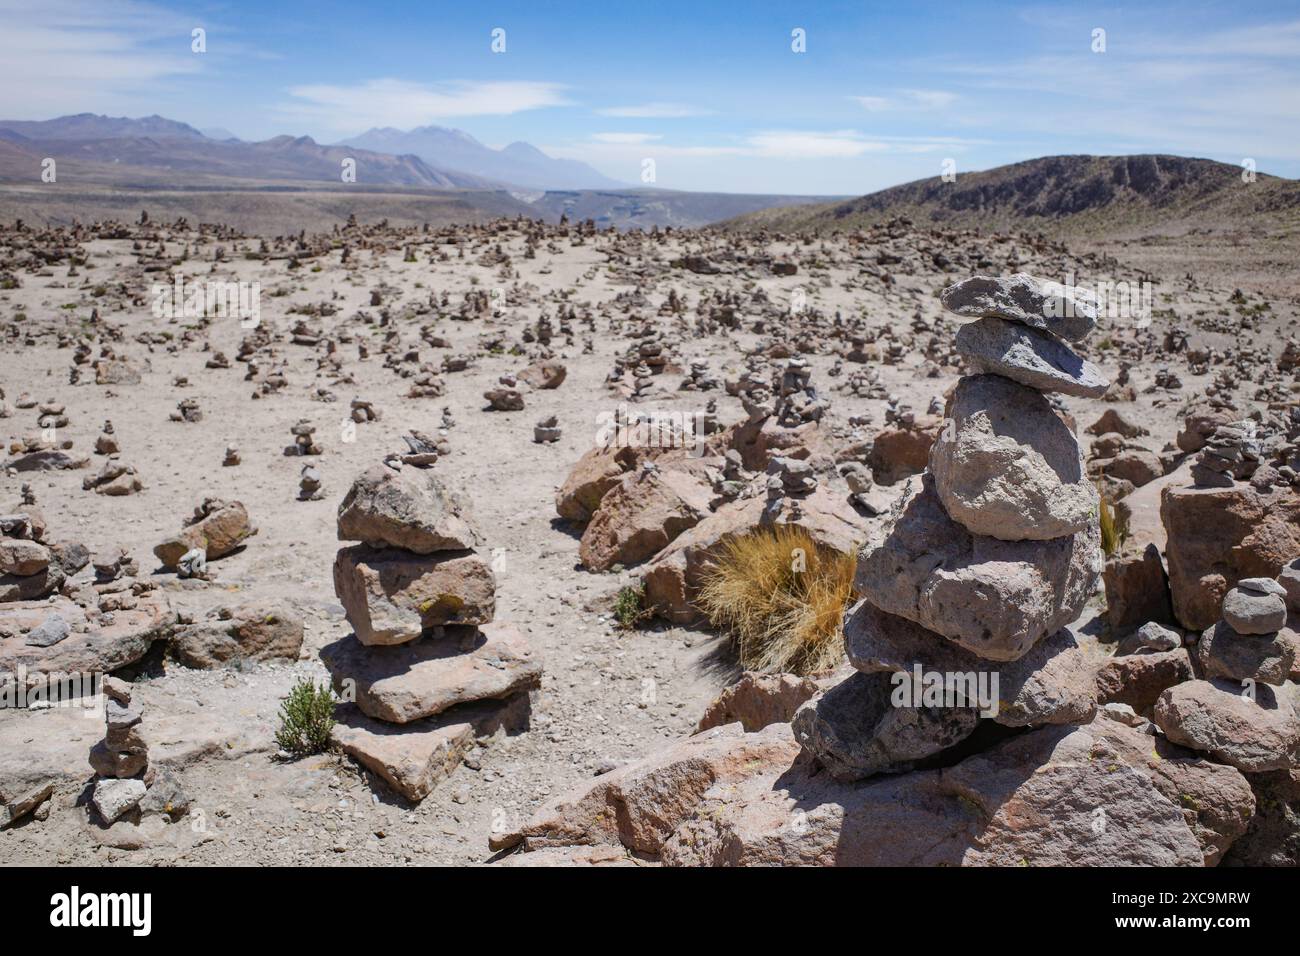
(985, 558)
(426, 673)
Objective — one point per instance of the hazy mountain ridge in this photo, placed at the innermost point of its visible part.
(179, 161)
(520, 164)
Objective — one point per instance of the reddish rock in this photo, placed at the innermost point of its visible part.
(1217, 536)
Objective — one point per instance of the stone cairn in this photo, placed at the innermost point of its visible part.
(985, 559)
(126, 786)
(426, 673)
(1243, 710)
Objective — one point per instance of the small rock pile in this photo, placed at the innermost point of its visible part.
(1243, 712)
(426, 672)
(1232, 452)
(126, 783)
(987, 557)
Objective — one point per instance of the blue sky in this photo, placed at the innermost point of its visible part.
(713, 92)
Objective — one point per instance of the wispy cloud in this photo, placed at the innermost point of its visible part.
(653, 111)
(99, 54)
(392, 102)
(907, 100)
(630, 139)
(764, 144)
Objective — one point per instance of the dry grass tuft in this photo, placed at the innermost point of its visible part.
(782, 598)
(1114, 530)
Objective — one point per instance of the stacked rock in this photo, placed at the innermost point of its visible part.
(797, 400)
(789, 481)
(125, 780)
(986, 557)
(303, 442)
(425, 673)
(1233, 451)
(1244, 711)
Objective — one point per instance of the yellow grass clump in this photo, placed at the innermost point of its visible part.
(1114, 529)
(782, 598)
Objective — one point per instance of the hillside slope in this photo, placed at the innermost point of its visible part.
(1073, 195)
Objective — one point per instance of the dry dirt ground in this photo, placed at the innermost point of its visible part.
(608, 695)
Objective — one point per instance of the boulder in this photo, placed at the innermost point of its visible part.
(639, 805)
(31, 587)
(641, 515)
(1113, 421)
(1059, 796)
(544, 375)
(1137, 466)
(1012, 469)
(113, 797)
(100, 648)
(392, 596)
(857, 728)
(408, 509)
(1064, 311)
(223, 527)
(268, 629)
(1054, 683)
(596, 472)
(995, 598)
(1272, 837)
(757, 700)
(414, 758)
(1255, 610)
(1215, 800)
(1139, 679)
(22, 558)
(406, 682)
(1223, 652)
(1032, 358)
(1217, 536)
(1137, 590)
(1253, 729)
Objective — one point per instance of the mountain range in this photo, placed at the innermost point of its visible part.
(452, 149)
(431, 156)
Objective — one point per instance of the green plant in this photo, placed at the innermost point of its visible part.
(782, 598)
(629, 606)
(306, 719)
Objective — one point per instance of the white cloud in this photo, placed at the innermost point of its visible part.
(399, 103)
(906, 100)
(89, 55)
(653, 111)
(786, 144)
(631, 139)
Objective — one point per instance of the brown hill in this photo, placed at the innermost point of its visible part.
(1076, 193)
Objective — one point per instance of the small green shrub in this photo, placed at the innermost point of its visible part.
(629, 606)
(306, 719)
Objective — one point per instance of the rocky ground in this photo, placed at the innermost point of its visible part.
(369, 312)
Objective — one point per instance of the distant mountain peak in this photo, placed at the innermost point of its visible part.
(519, 164)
